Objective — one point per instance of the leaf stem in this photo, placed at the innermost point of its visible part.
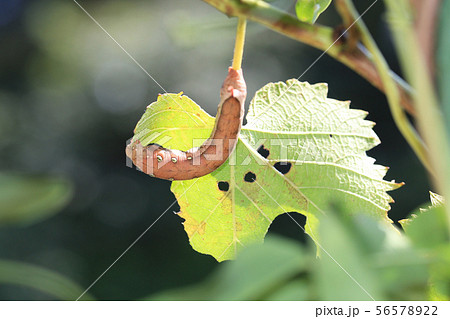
(239, 44)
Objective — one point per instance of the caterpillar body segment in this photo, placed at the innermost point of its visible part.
(169, 164)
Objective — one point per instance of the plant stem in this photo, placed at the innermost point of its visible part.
(391, 89)
(430, 119)
(348, 20)
(239, 44)
(318, 36)
(427, 13)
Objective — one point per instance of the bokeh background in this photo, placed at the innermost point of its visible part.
(70, 98)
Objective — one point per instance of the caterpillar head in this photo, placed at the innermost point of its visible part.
(234, 86)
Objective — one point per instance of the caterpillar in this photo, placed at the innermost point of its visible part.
(164, 163)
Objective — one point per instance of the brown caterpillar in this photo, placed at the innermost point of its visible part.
(164, 163)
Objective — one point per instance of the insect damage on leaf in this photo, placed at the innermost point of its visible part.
(298, 151)
(283, 167)
(263, 151)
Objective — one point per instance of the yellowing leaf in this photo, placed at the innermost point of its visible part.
(320, 141)
(174, 121)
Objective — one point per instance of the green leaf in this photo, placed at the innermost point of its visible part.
(436, 199)
(174, 121)
(28, 199)
(427, 229)
(260, 272)
(440, 274)
(323, 141)
(18, 273)
(361, 258)
(297, 289)
(309, 10)
(343, 273)
(279, 260)
(401, 263)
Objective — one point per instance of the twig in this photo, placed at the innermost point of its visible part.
(391, 89)
(318, 36)
(347, 18)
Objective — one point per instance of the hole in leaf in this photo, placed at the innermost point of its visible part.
(283, 167)
(286, 226)
(264, 152)
(250, 177)
(223, 186)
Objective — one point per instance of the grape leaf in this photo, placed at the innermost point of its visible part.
(436, 199)
(309, 10)
(177, 114)
(311, 150)
(427, 227)
(427, 230)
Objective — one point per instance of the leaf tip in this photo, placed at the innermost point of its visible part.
(396, 185)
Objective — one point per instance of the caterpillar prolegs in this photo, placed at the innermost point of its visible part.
(164, 163)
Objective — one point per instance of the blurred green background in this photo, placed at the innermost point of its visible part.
(70, 98)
